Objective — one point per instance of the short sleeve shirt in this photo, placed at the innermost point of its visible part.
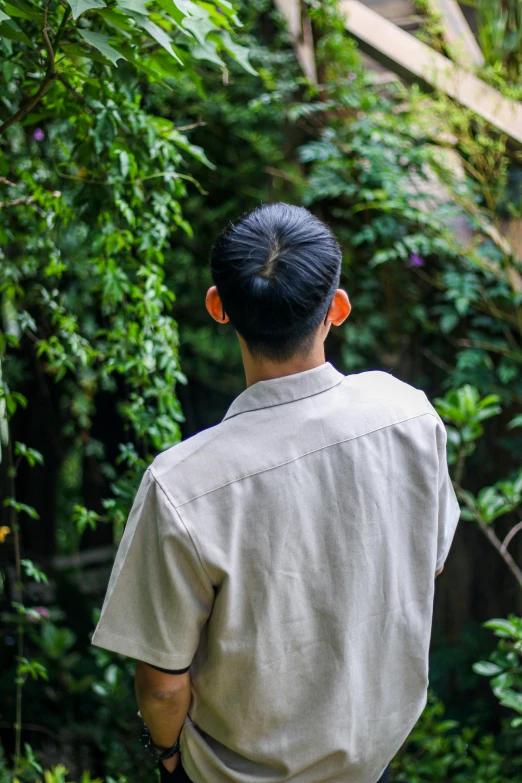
(287, 556)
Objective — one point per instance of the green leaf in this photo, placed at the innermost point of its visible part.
(448, 322)
(228, 9)
(193, 149)
(124, 163)
(508, 659)
(33, 572)
(173, 11)
(512, 699)
(77, 50)
(119, 21)
(84, 518)
(22, 10)
(8, 69)
(461, 305)
(486, 668)
(101, 43)
(491, 399)
(161, 64)
(152, 67)
(136, 6)
(515, 422)
(32, 456)
(501, 627)
(157, 33)
(56, 641)
(199, 28)
(487, 413)
(502, 681)
(9, 29)
(21, 508)
(3, 16)
(34, 668)
(207, 52)
(237, 52)
(79, 7)
(188, 8)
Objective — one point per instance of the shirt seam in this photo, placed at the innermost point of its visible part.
(306, 454)
(226, 417)
(189, 534)
(102, 631)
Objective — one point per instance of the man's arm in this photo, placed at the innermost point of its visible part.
(163, 700)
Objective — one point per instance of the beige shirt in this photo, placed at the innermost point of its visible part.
(288, 556)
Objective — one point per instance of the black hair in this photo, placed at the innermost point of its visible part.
(276, 270)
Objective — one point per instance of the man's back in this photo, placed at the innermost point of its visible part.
(289, 555)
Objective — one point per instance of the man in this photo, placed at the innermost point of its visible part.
(275, 579)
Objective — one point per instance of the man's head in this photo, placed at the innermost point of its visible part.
(276, 273)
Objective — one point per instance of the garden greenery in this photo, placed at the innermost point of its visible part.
(132, 131)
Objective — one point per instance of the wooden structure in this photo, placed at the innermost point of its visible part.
(383, 29)
(300, 29)
(457, 32)
(414, 60)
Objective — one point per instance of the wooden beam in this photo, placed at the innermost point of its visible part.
(394, 10)
(300, 29)
(415, 61)
(512, 230)
(457, 32)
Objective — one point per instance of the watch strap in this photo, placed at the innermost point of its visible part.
(165, 753)
(158, 752)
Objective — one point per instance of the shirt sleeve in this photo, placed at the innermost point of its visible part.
(159, 595)
(448, 505)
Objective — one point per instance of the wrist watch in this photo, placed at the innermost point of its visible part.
(157, 751)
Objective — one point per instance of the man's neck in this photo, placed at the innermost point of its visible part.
(266, 370)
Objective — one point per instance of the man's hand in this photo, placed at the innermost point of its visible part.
(163, 700)
(439, 572)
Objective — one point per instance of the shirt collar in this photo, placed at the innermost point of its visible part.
(278, 391)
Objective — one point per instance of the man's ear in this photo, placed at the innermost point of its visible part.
(215, 307)
(340, 308)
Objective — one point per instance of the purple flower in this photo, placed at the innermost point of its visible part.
(415, 260)
(38, 135)
(352, 76)
(42, 611)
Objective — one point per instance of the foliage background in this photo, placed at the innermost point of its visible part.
(114, 185)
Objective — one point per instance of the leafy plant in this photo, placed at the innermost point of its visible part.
(94, 183)
(504, 666)
(464, 411)
(59, 43)
(439, 749)
(112, 184)
(499, 24)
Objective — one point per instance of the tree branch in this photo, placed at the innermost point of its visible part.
(189, 127)
(70, 89)
(50, 74)
(48, 45)
(26, 108)
(16, 201)
(515, 355)
(492, 537)
(512, 533)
